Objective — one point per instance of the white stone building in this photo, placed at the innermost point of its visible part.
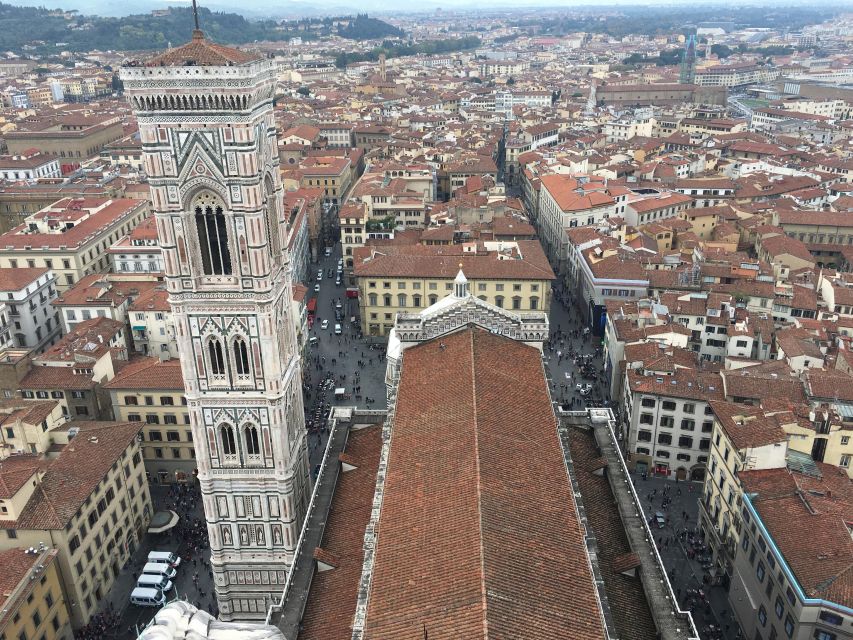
(209, 138)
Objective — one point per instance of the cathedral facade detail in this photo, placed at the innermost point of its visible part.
(209, 142)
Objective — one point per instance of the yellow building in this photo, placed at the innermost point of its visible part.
(71, 236)
(511, 275)
(31, 600)
(150, 391)
(91, 502)
(332, 174)
(743, 438)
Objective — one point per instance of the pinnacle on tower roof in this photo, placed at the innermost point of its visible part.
(460, 284)
(201, 52)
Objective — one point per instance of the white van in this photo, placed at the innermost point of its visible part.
(164, 557)
(145, 597)
(159, 569)
(154, 582)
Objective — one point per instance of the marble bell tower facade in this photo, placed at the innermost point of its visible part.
(206, 125)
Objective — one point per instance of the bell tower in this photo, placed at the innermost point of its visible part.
(208, 136)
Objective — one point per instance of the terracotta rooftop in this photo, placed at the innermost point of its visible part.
(71, 478)
(795, 507)
(149, 373)
(332, 600)
(466, 549)
(201, 52)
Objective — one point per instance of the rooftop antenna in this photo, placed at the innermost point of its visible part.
(195, 15)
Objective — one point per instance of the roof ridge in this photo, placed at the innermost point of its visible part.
(471, 336)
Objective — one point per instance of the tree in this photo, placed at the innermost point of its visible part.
(304, 91)
(510, 81)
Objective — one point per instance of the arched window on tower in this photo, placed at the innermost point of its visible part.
(212, 235)
(272, 219)
(241, 357)
(216, 357)
(253, 444)
(229, 446)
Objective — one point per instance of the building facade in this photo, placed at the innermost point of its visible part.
(211, 156)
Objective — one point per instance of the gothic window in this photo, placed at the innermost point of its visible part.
(272, 218)
(212, 236)
(217, 360)
(229, 446)
(241, 357)
(253, 446)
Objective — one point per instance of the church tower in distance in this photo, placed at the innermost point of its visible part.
(206, 125)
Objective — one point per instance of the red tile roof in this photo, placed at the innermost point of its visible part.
(71, 478)
(149, 373)
(16, 279)
(203, 53)
(332, 600)
(478, 533)
(796, 507)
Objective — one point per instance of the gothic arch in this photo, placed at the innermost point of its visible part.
(252, 441)
(241, 355)
(227, 439)
(214, 354)
(212, 234)
(272, 217)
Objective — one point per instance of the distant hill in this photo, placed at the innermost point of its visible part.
(45, 28)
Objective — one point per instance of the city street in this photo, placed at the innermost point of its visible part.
(674, 546)
(187, 534)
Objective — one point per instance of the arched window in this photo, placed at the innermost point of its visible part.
(516, 302)
(387, 300)
(499, 301)
(229, 447)
(272, 218)
(214, 354)
(212, 235)
(253, 446)
(372, 299)
(534, 303)
(416, 300)
(401, 300)
(241, 357)
(433, 299)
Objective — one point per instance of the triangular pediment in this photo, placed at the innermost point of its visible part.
(198, 153)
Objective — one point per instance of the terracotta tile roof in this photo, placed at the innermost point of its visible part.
(332, 600)
(16, 565)
(16, 279)
(570, 195)
(625, 594)
(71, 478)
(202, 53)
(466, 548)
(149, 373)
(771, 379)
(795, 507)
(684, 383)
(56, 378)
(831, 384)
(747, 426)
(15, 471)
(436, 262)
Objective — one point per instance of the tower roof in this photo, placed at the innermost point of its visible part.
(201, 52)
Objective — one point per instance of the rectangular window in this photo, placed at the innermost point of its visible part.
(647, 418)
(664, 438)
(668, 405)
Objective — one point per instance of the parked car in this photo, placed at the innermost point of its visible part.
(337, 329)
(324, 324)
(317, 288)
